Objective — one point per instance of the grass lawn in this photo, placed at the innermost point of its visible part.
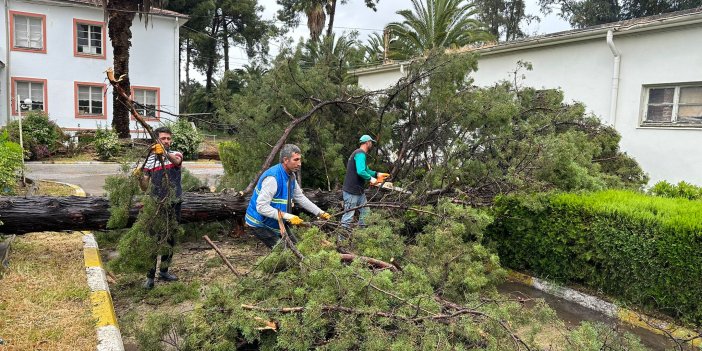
(44, 295)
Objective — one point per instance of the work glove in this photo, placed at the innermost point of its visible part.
(295, 220)
(325, 216)
(373, 181)
(137, 172)
(382, 177)
(158, 149)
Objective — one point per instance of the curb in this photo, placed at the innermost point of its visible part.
(611, 310)
(109, 337)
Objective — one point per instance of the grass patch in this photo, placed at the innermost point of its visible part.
(44, 296)
(129, 287)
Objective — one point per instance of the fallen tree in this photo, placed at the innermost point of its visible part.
(41, 213)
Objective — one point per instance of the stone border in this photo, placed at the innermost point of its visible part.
(109, 337)
(611, 310)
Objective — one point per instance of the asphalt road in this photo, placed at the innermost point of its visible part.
(91, 176)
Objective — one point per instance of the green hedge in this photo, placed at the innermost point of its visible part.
(638, 248)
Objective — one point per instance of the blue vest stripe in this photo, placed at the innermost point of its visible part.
(279, 201)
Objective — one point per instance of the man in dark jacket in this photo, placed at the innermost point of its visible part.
(357, 174)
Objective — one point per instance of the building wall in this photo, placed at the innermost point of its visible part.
(583, 70)
(153, 61)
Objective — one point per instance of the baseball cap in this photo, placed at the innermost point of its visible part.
(365, 138)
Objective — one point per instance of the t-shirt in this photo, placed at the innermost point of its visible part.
(157, 170)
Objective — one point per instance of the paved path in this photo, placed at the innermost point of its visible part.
(91, 175)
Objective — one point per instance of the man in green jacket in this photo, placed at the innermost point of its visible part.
(357, 174)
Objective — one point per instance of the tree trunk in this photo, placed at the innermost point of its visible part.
(331, 11)
(187, 61)
(225, 44)
(45, 213)
(121, 14)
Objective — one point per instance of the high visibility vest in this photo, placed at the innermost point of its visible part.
(279, 201)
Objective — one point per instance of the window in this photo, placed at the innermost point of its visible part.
(675, 105)
(29, 88)
(90, 100)
(89, 38)
(28, 32)
(147, 100)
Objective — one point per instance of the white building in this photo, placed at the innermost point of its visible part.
(642, 76)
(56, 52)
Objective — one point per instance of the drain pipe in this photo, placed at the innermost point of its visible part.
(615, 78)
(7, 63)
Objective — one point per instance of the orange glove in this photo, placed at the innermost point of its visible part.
(325, 216)
(158, 149)
(137, 172)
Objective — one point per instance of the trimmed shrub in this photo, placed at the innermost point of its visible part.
(641, 249)
(41, 136)
(106, 143)
(10, 163)
(186, 138)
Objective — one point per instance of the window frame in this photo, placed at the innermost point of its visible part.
(77, 85)
(134, 88)
(673, 123)
(13, 91)
(103, 39)
(12, 15)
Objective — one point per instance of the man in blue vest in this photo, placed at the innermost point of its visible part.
(275, 191)
(357, 174)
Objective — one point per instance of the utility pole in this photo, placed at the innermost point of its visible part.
(22, 105)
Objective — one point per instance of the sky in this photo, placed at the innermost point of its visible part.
(356, 16)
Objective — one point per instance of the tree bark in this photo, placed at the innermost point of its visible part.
(45, 213)
(120, 17)
(331, 12)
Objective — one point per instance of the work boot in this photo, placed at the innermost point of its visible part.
(149, 284)
(167, 276)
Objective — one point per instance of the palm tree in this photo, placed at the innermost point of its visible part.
(438, 24)
(120, 14)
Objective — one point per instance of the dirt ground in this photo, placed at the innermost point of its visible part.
(197, 266)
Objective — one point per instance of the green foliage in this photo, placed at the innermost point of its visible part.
(186, 138)
(41, 136)
(597, 336)
(121, 190)
(189, 182)
(683, 189)
(106, 143)
(641, 249)
(435, 24)
(10, 163)
(148, 236)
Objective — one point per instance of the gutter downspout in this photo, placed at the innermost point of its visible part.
(615, 78)
(7, 63)
(176, 69)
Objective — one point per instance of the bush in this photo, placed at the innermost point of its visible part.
(683, 190)
(41, 136)
(10, 163)
(186, 138)
(106, 143)
(642, 249)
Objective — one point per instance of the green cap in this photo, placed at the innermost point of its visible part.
(366, 138)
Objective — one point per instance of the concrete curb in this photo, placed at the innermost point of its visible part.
(611, 310)
(109, 337)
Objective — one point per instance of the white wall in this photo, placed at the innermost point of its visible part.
(153, 61)
(583, 70)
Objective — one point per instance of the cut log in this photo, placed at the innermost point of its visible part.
(42, 213)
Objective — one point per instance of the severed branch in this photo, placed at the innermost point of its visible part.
(286, 238)
(221, 255)
(111, 77)
(349, 257)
